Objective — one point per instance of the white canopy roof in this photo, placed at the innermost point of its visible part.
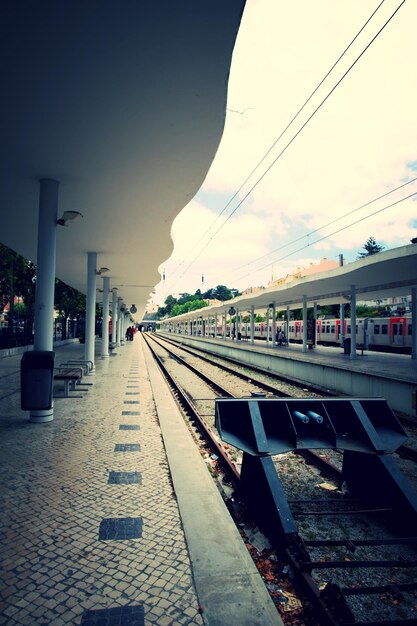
(124, 104)
(386, 274)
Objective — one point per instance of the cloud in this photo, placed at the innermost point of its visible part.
(359, 145)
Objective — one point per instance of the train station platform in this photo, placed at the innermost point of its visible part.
(371, 374)
(109, 515)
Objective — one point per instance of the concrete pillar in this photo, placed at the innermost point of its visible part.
(414, 322)
(252, 325)
(45, 266)
(114, 318)
(342, 324)
(237, 326)
(287, 323)
(224, 325)
(274, 322)
(119, 323)
(106, 317)
(267, 326)
(353, 321)
(45, 277)
(90, 317)
(304, 323)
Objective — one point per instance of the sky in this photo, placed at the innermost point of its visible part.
(268, 199)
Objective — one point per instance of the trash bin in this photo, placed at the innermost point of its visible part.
(346, 345)
(36, 380)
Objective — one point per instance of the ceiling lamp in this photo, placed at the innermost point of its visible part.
(68, 217)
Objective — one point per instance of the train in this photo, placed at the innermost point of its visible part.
(383, 334)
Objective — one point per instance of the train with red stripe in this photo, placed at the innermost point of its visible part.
(383, 334)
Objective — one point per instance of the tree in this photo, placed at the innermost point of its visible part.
(223, 293)
(170, 302)
(68, 303)
(210, 294)
(17, 278)
(187, 302)
(370, 247)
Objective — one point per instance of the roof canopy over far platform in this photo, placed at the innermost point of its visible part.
(386, 274)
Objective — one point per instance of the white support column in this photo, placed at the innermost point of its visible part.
(267, 326)
(274, 322)
(45, 266)
(304, 323)
(224, 320)
(119, 323)
(106, 317)
(252, 325)
(237, 326)
(287, 324)
(353, 322)
(414, 322)
(216, 321)
(45, 278)
(114, 318)
(123, 325)
(90, 318)
(342, 324)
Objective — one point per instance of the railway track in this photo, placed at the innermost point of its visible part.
(353, 567)
(280, 386)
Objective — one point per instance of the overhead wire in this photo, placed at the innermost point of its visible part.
(297, 133)
(335, 232)
(282, 133)
(337, 219)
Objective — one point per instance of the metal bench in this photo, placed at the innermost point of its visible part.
(86, 365)
(70, 377)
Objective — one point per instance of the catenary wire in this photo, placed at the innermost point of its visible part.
(294, 137)
(335, 232)
(279, 137)
(337, 219)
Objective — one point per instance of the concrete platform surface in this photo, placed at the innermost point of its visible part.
(91, 528)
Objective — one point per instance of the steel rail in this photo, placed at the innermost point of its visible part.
(190, 408)
(250, 378)
(330, 603)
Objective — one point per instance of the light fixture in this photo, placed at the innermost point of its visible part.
(68, 217)
(102, 270)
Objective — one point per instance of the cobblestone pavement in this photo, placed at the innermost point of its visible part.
(91, 532)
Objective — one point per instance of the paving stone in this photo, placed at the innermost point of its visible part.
(127, 615)
(124, 478)
(120, 528)
(127, 447)
(60, 497)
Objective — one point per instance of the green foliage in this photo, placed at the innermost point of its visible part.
(191, 305)
(188, 302)
(68, 301)
(221, 292)
(17, 278)
(370, 247)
